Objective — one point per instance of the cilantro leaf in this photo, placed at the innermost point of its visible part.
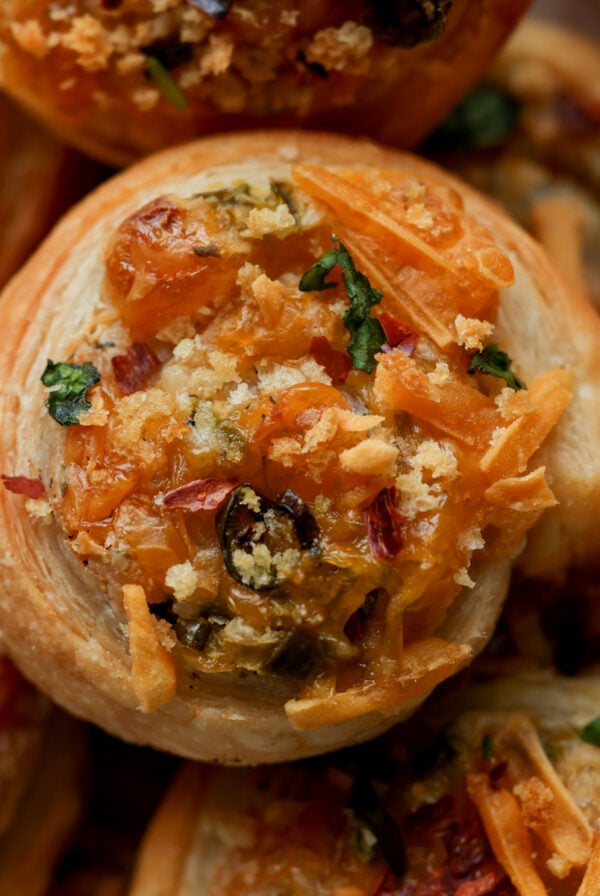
(66, 402)
(366, 333)
(591, 732)
(487, 747)
(365, 342)
(314, 278)
(374, 833)
(360, 292)
(493, 361)
(484, 119)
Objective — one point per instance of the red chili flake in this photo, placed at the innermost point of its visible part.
(575, 119)
(23, 485)
(398, 334)
(337, 364)
(483, 886)
(384, 525)
(202, 494)
(496, 774)
(132, 369)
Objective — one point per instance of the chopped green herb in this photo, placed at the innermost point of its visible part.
(282, 192)
(375, 834)
(238, 194)
(493, 361)
(591, 732)
(363, 840)
(169, 88)
(68, 400)
(487, 747)
(314, 278)
(482, 120)
(366, 333)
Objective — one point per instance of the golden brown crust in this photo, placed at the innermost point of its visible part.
(266, 64)
(87, 666)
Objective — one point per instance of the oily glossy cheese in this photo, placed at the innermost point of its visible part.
(389, 70)
(411, 460)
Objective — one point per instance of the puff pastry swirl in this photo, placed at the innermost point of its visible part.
(280, 460)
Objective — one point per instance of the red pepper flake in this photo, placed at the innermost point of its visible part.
(336, 364)
(398, 334)
(482, 886)
(202, 494)
(23, 485)
(384, 525)
(133, 368)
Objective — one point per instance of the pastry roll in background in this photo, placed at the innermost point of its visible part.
(39, 179)
(42, 759)
(530, 136)
(493, 791)
(122, 78)
(277, 413)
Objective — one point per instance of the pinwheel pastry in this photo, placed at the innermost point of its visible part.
(275, 419)
(121, 78)
(42, 755)
(530, 136)
(39, 178)
(500, 800)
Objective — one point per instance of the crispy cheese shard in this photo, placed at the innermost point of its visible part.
(153, 670)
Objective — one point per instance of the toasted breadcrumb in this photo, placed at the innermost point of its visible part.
(89, 39)
(371, 457)
(30, 37)
(40, 509)
(463, 578)
(440, 375)
(512, 404)
(218, 55)
(182, 579)
(342, 49)
(278, 221)
(471, 332)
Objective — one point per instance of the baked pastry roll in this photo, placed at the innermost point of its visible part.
(275, 466)
(42, 754)
(500, 800)
(122, 78)
(530, 136)
(39, 179)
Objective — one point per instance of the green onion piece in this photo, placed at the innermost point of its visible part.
(69, 384)
(493, 361)
(591, 732)
(168, 87)
(487, 747)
